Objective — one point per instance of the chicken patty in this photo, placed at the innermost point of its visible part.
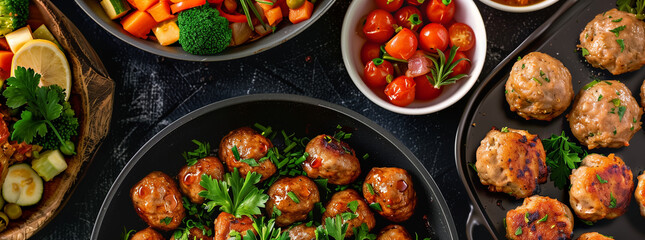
(539, 218)
(594, 236)
(605, 114)
(394, 232)
(511, 161)
(601, 187)
(251, 147)
(225, 223)
(340, 203)
(640, 193)
(156, 198)
(331, 159)
(392, 189)
(147, 234)
(539, 87)
(190, 176)
(294, 197)
(615, 40)
(302, 232)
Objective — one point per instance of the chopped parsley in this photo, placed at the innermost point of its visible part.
(293, 197)
(600, 179)
(504, 129)
(519, 58)
(376, 206)
(616, 102)
(538, 81)
(166, 220)
(599, 97)
(617, 20)
(353, 205)
(621, 112)
(472, 165)
(523, 66)
(518, 231)
(617, 30)
(590, 223)
(276, 212)
(202, 151)
(370, 188)
(621, 43)
(543, 219)
(543, 76)
(585, 52)
(591, 84)
(526, 217)
(612, 200)
(367, 155)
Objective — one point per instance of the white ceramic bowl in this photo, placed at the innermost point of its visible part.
(351, 42)
(518, 9)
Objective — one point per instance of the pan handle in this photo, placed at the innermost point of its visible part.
(475, 218)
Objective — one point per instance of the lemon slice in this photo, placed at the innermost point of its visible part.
(46, 59)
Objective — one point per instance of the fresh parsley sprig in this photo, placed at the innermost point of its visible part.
(632, 6)
(442, 68)
(235, 195)
(562, 157)
(203, 150)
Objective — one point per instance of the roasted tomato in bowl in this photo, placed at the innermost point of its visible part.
(413, 58)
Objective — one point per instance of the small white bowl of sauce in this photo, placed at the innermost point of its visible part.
(519, 6)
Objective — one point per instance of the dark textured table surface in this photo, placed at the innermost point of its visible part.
(152, 92)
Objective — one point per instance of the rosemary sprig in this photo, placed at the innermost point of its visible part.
(442, 68)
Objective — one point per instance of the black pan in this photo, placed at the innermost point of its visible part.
(488, 108)
(301, 115)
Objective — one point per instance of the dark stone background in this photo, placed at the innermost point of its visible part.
(151, 92)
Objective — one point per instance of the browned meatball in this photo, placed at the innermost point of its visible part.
(303, 190)
(147, 234)
(547, 218)
(604, 46)
(605, 114)
(250, 145)
(511, 161)
(393, 190)
(226, 222)
(338, 204)
(332, 159)
(594, 236)
(640, 193)
(196, 234)
(539, 87)
(302, 232)
(643, 94)
(156, 198)
(190, 176)
(601, 187)
(394, 232)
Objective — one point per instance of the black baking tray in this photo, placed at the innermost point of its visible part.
(487, 108)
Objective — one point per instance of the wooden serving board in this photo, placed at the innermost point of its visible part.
(91, 97)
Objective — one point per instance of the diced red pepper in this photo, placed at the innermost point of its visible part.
(186, 4)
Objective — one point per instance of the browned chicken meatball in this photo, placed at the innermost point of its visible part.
(511, 161)
(195, 234)
(155, 198)
(226, 222)
(294, 197)
(394, 232)
(602, 37)
(302, 232)
(250, 145)
(190, 176)
(539, 218)
(339, 204)
(605, 114)
(640, 193)
(539, 87)
(147, 234)
(332, 159)
(601, 187)
(393, 190)
(594, 236)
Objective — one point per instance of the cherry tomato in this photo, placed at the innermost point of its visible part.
(415, 2)
(370, 51)
(409, 17)
(377, 72)
(389, 5)
(462, 67)
(438, 12)
(402, 45)
(425, 90)
(401, 91)
(433, 36)
(379, 26)
(462, 36)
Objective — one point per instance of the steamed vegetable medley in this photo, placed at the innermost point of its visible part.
(205, 27)
(414, 48)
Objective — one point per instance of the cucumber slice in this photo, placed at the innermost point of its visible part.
(22, 185)
(49, 164)
(115, 8)
(43, 33)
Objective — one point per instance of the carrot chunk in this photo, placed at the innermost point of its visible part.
(302, 13)
(138, 23)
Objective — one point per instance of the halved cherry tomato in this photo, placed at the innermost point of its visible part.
(389, 5)
(462, 36)
(462, 67)
(401, 91)
(433, 36)
(370, 51)
(425, 90)
(379, 26)
(402, 45)
(183, 5)
(409, 17)
(415, 2)
(377, 72)
(438, 12)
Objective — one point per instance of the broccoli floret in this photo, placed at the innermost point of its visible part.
(202, 31)
(13, 15)
(67, 126)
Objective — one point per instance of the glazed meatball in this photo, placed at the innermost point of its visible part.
(250, 145)
(394, 232)
(190, 176)
(539, 87)
(331, 159)
(155, 198)
(195, 234)
(304, 192)
(226, 222)
(601, 187)
(339, 204)
(603, 44)
(640, 193)
(539, 218)
(147, 234)
(302, 232)
(393, 190)
(605, 114)
(511, 161)
(594, 236)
